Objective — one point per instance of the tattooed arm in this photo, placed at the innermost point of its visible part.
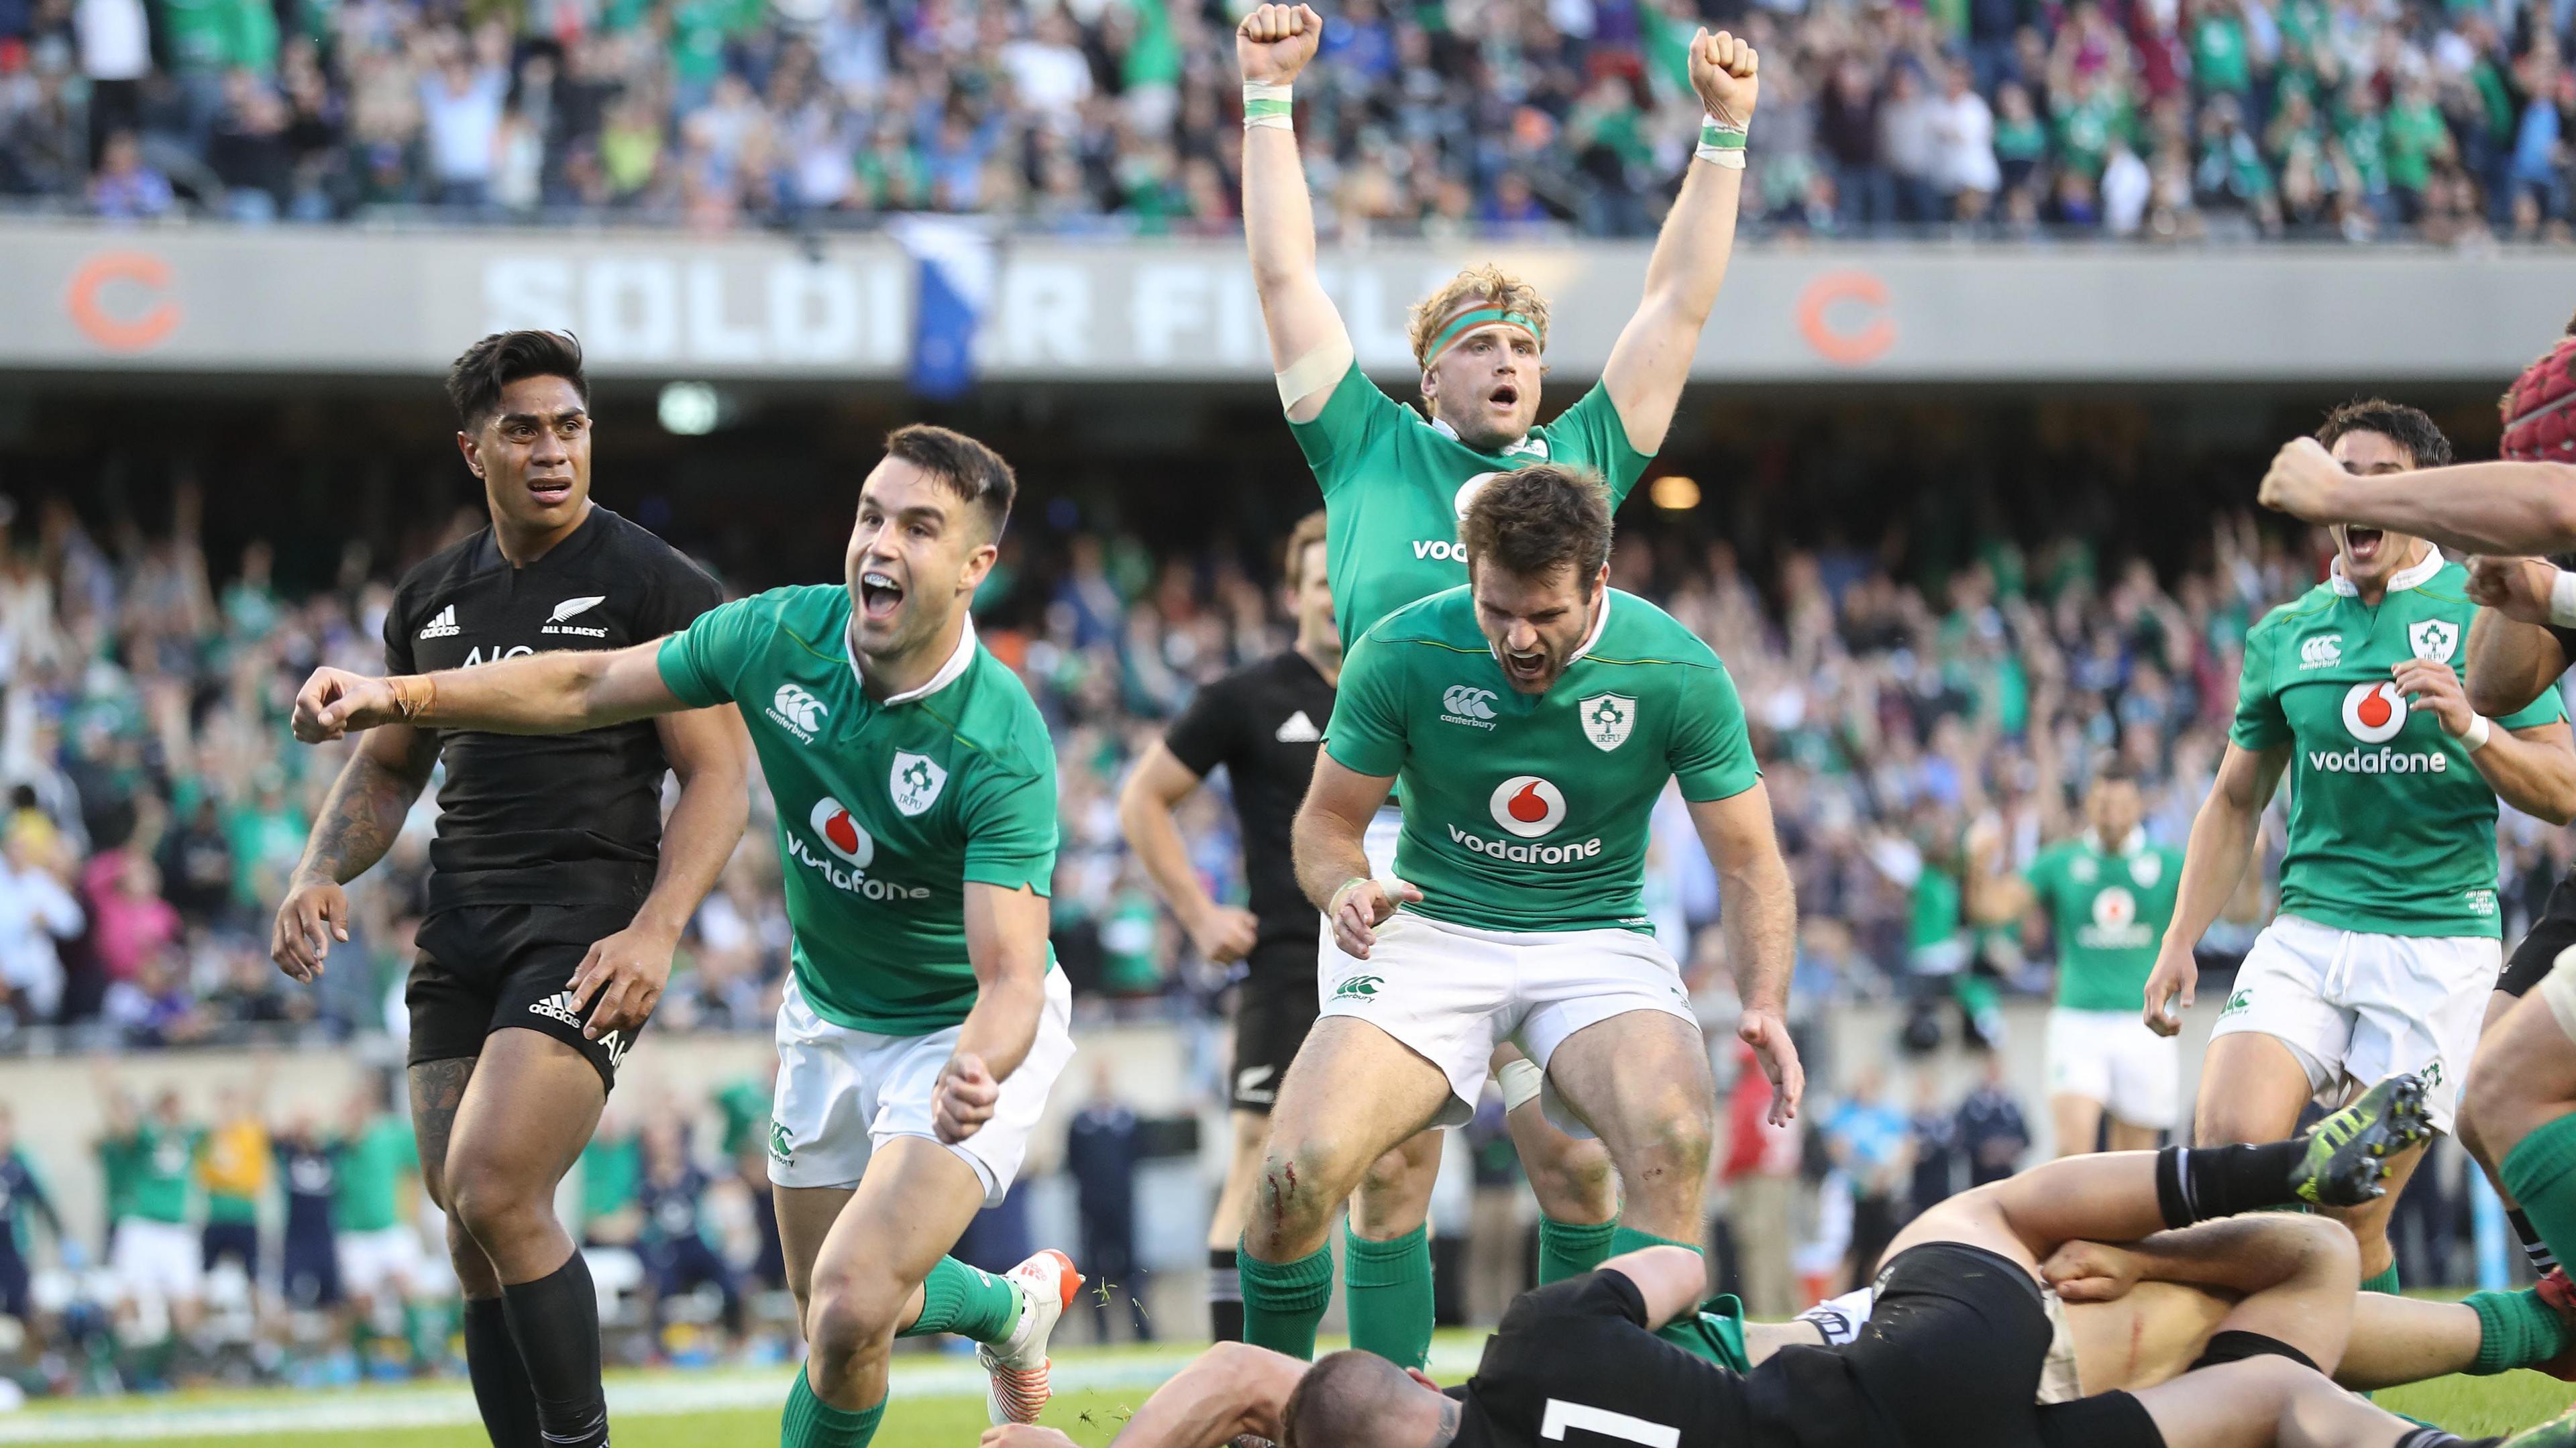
(359, 821)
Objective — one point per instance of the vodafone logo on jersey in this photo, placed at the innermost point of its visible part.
(2373, 713)
(841, 834)
(1528, 806)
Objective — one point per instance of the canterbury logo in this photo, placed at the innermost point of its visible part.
(797, 709)
(443, 626)
(1358, 987)
(1468, 703)
(571, 607)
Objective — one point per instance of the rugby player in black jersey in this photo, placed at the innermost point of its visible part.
(1263, 723)
(1952, 1356)
(557, 892)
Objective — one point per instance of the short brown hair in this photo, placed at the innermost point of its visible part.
(1292, 557)
(2408, 427)
(1538, 519)
(1489, 285)
(971, 470)
(1339, 1399)
(475, 380)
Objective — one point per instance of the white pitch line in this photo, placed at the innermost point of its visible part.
(341, 1411)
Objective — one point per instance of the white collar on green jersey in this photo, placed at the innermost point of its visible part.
(948, 674)
(1598, 624)
(2402, 579)
(1524, 443)
(2134, 841)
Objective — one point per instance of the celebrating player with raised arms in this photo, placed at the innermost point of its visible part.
(1396, 482)
(924, 1020)
(1533, 719)
(2387, 942)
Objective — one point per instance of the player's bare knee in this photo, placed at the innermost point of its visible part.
(1295, 1193)
(488, 1200)
(2497, 1109)
(1573, 1180)
(850, 1315)
(1674, 1147)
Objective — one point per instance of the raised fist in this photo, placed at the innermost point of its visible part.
(1726, 73)
(1274, 42)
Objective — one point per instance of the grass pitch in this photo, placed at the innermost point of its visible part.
(935, 1405)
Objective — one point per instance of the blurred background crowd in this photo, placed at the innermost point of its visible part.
(2166, 119)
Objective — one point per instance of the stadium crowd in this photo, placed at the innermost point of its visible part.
(2168, 119)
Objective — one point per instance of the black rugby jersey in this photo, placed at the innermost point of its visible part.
(1263, 722)
(563, 819)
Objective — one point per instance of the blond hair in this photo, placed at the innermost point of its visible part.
(1487, 285)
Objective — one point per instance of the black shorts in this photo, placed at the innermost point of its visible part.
(13, 1284)
(2553, 932)
(311, 1277)
(1952, 1357)
(237, 1240)
(484, 967)
(1274, 1008)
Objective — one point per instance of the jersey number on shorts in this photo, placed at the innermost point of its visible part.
(1562, 1415)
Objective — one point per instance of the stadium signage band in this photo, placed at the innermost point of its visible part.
(363, 301)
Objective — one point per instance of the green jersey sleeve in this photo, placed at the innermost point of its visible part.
(1010, 818)
(2043, 873)
(1355, 416)
(701, 663)
(1594, 427)
(1712, 758)
(2549, 708)
(2260, 724)
(1366, 735)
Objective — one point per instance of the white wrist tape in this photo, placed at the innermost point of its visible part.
(1721, 144)
(2562, 599)
(1315, 371)
(2480, 730)
(1267, 105)
(1520, 1081)
(1335, 907)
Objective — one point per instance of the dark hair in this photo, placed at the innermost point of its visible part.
(2115, 770)
(1538, 519)
(474, 384)
(1292, 556)
(1339, 1400)
(971, 470)
(2405, 426)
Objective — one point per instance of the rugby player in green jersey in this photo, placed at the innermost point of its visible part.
(924, 1020)
(2106, 896)
(2387, 942)
(1395, 482)
(1514, 908)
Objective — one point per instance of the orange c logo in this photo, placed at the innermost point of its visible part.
(1846, 347)
(115, 332)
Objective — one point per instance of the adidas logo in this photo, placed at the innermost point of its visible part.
(556, 1007)
(443, 626)
(1299, 730)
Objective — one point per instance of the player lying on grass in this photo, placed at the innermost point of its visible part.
(923, 1020)
(1956, 1353)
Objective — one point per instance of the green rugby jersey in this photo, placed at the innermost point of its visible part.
(2392, 828)
(368, 1196)
(886, 810)
(1395, 486)
(1525, 813)
(163, 1160)
(2108, 913)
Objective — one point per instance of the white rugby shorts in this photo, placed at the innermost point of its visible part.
(388, 1258)
(844, 1093)
(1452, 993)
(161, 1261)
(2111, 1057)
(2356, 1008)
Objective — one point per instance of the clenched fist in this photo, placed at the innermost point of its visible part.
(1726, 73)
(2518, 588)
(2304, 482)
(1274, 42)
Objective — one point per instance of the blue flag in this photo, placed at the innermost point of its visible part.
(953, 271)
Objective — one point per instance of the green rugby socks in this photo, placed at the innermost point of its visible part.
(967, 1301)
(809, 1422)
(2540, 1173)
(2515, 1330)
(1570, 1249)
(1625, 1239)
(1283, 1301)
(2382, 1281)
(1387, 1289)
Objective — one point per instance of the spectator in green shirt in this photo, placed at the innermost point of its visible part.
(2416, 137)
(151, 1165)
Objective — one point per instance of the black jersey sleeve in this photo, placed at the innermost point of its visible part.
(398, 631)
(1209, 730)
(681, 591)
